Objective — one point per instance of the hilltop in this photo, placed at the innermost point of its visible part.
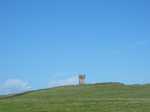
(104, 97)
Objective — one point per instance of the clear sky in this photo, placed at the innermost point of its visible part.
(42, 41)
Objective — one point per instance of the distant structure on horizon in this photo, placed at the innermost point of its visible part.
(82, 78)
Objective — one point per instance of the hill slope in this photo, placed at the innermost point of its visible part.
(88, 98)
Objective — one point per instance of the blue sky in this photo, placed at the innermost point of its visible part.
(43, 41)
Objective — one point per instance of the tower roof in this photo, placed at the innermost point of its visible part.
(82, 76)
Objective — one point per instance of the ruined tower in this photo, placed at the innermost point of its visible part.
(82, 79)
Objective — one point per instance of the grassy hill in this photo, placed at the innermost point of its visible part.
(112, 97)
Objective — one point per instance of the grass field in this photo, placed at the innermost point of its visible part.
(111, 97)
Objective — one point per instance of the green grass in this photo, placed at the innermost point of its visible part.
(111, 97)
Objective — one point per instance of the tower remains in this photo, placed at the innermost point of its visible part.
(82, 78)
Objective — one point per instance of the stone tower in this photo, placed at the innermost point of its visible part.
(82, 79)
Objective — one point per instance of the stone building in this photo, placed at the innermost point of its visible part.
(82, 78)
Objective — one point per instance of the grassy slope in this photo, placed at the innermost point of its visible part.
(88, 98)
